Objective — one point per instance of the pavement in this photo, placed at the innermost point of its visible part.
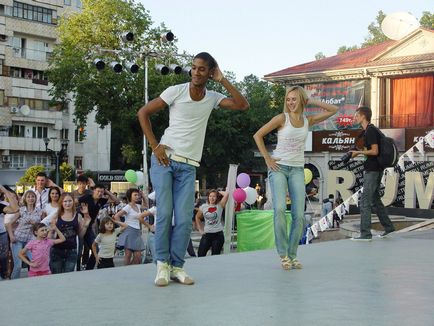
(384, 282)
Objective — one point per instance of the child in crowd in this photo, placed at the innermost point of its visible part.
(106, 241)
(40, 249)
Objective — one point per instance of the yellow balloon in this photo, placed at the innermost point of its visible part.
(307, 176)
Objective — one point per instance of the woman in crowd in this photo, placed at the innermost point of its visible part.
(28, 216)
(131, 238)
(51, 209)
(70, 223)
(212, 231)
(286, 168)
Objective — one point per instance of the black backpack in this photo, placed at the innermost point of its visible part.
(388, 151)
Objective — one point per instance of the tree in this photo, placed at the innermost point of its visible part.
(427, 20)
(30, 174)
(319, 56)
(345, 48)
(376, 35)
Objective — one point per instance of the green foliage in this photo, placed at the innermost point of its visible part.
(427, 20)
(30, 174)
(67, 172)
(375, 33)
(319, 56)
(344, 48)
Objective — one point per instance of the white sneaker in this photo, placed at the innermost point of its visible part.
(179, 275)
(162, 278)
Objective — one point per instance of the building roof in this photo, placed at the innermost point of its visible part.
(361, 58)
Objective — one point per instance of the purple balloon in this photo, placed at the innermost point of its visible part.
(239, 195)
(243, 180)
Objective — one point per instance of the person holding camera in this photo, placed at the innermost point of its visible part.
(371, 179)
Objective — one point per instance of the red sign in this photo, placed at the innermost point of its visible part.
(344, 120)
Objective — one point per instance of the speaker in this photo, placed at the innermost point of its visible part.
(162, 69)
(116, 66)
(127, 37)
(167, 37)
(174, 68)
(132, 67)
(187, 71)
(99, 64)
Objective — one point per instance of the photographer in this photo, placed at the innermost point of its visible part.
(372, 178)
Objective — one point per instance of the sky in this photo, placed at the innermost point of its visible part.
(261, 37)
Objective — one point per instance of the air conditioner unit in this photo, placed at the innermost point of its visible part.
(6, 158)
(14, 109)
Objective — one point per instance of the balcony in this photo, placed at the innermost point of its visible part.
(404, 121)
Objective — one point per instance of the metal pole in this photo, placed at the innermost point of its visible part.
(57, 168)
(145, 143)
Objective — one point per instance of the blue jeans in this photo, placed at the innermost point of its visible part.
(288, 178)
(371, 199)
(16, 248)
(174, 192)
(62, 260)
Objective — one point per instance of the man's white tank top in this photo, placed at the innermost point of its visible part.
(290, 143)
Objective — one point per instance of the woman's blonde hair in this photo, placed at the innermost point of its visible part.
(302, 97)
(25, 197)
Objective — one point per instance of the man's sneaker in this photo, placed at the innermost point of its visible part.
(365, 239)
(296, 264)
(285, 262)
(162, 278)
(385, 234)
(179, 275)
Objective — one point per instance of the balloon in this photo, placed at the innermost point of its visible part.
(131, 176)
(239, 195)
(140, 178)
(243, 180)
(251, 195)
(307, 176)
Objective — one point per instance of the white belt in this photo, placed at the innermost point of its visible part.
(181, 159)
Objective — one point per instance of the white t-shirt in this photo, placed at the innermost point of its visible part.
(290, 143)
(187, 120)
(51, 212)
(107, 243)
(132, 217)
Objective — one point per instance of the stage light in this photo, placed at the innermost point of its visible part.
(132, 67)
(174, 68)
(127, 37)
(116, 66)
(167, 37)
(162, 69)
(99, 64)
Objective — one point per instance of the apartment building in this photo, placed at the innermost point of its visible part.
(28, 117)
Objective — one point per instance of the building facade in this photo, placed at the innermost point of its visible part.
(395, 79)
(28, 117)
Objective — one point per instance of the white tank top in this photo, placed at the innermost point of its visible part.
(290, 143)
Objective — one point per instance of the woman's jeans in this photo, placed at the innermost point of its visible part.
(174, 192)
(62, 260)
(16, 248)
(287, 229)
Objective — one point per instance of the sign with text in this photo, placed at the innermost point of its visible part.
(335, 140)
(413, 135)
(411, 188)
(111, 177)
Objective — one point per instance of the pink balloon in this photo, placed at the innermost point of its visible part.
(243, 180)
(239, 195)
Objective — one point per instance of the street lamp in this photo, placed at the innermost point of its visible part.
(57, 156)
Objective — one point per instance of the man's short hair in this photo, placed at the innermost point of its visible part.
(41, 174)
(208, 58)
(99, 185)
(82, 178)
(365, 111)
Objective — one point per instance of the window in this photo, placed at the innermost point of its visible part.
(64, 134)
(17, 161)
(80, 134)
(2, 97)
(78, 162)
(78, 3)
(1, 67)
(67, 2)
(41, 160)
(40, 132)
(35, 13)
(17, 131)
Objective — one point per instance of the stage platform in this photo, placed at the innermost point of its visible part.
(383, 282)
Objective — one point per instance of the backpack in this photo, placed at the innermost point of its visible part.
(388, 151)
